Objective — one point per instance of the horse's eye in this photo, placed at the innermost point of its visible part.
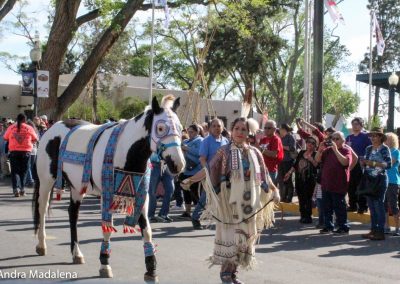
(162, 129)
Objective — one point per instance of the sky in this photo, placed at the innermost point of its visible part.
(354, 35)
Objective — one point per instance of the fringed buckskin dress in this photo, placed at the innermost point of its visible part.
(239, 193)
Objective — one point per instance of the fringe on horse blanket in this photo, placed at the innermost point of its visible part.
(123, 192)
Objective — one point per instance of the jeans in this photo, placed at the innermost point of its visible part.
(377, 207)
(334, 202)
(274, 177)
(356, 201)
(321, 220)
(29, 174)
(199, 207)
(168, 183)
(19, 165)
(178, 194)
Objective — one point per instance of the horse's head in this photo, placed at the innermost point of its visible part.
(166, 133)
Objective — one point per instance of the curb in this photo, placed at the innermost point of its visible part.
(351, 216)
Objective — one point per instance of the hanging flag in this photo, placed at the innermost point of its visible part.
(380, 42)
(334, 11)
(163, 3)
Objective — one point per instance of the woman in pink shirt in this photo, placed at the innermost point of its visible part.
(20, 137)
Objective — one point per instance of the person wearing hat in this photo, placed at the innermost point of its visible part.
(376, 161)
(358, 141)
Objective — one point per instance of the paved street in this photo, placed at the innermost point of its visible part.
(289, 253)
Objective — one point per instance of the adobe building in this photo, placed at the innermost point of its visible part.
(12, 103)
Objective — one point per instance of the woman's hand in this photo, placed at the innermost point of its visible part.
(287, 176)
(276, 196)
(186, 183)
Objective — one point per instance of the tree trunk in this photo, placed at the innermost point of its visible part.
(90, 66)
(6, 8)
(61, 34)
(94, 97)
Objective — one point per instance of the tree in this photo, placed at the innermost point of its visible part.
(388, 15)
(65, 23)
(338, 100)
(5, 7)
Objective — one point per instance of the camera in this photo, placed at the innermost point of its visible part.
(328, 143)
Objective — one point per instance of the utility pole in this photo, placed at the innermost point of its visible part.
(318, 60)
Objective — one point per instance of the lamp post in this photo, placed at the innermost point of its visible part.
(35, 55)
(393, 82)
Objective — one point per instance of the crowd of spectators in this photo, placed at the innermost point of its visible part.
(322, 167)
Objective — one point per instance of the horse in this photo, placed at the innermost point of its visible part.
(157, 129)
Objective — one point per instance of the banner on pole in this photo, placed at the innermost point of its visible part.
(380, 42)
(334, 11)
(42, 80)
(28, 83)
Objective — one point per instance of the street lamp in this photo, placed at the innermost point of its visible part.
(393, 82)
(35, 55)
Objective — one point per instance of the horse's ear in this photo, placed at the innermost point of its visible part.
(155, 106)
(176, 104)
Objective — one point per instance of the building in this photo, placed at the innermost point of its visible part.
(12, 103)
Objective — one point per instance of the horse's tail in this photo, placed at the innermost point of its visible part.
(35, 206)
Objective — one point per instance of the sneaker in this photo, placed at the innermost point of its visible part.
(197, 225)
(396, 233)
(167, 219)
(377, 236)
(325, 231)
(185, 215)
(341, 232)
(177, 208)
(153, 220)
(367, 235)
(16, 194)
(22, 193)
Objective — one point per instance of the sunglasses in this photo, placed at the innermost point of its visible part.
(373, 135)
(335, 138)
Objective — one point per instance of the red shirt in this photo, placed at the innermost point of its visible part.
(21, 140)
(273, 143)
(321, 137)
(335, 177)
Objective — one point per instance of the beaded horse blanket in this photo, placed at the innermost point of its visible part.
(77, 148)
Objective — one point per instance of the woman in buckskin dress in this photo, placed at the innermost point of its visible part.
(240, 199)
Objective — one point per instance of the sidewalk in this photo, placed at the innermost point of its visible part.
(365, 218)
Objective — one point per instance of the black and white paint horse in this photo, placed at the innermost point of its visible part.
(156, 130)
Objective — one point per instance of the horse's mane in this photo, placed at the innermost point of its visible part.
(167, 101)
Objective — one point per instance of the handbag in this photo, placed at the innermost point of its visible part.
(190, 164)
(370, 185)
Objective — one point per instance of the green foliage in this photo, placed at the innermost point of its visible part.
(82, 109)
(131, 107)
(388, 15)
(337, 99)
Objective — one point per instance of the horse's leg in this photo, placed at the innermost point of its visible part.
(105, 252)
(73, 211)
(149, 250)
(42, 197)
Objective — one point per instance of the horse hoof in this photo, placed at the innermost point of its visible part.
(41, 251)
(78, 260)
(106, 273)
(148, 278)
